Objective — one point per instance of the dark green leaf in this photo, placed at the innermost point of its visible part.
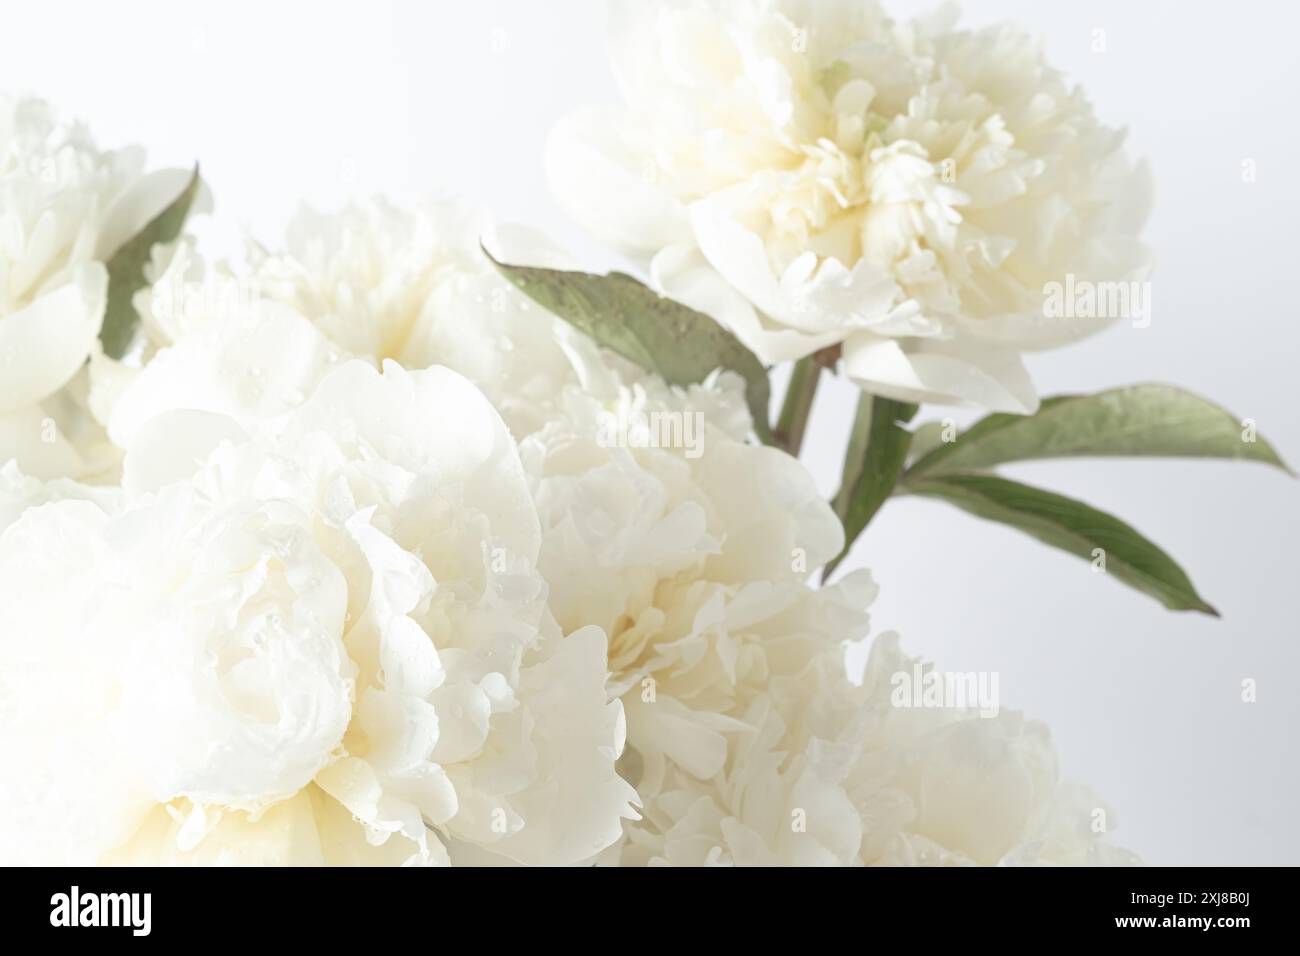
(873, 461)
(662, 336)
(126, 270)
(1071, 526)
(1140, 420)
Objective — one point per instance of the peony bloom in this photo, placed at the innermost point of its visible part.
(952, 786)
(413, 285)
(833, 773)
(327, 644)
(366, 273)
(65, 208)
(817, 175)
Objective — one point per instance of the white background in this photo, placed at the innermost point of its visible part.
(289, 101)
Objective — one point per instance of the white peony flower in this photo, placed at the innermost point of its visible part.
(831, 773)
(817, 175)
(954, 786)
(65, 208)
(326, 645)
(414, 286)
(365, 274)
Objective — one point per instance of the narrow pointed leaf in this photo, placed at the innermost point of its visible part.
(126, 270)
(873, 462)
(1071, 526)
(662, 336)
(1139, 420)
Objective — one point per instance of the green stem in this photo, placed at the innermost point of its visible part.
(792, 424)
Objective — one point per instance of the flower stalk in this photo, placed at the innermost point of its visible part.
(797, 406)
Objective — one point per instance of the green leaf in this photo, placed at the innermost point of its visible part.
(1140, 420)
(662, 336)
(126, 269)
(873, 462)
(1071, 526)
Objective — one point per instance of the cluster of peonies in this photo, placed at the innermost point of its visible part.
(340, 565)
(817, 175)
(336, 611)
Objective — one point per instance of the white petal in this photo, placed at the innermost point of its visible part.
(171, 446)
(433, 422)
(770, 519)
(43, 345)
(577, 735)
(22, 439)
(934, 370)
(140, 203)
(250, 371)
(607, 185)
(681, 272)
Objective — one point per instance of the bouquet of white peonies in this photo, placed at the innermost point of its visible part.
(403, 541)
